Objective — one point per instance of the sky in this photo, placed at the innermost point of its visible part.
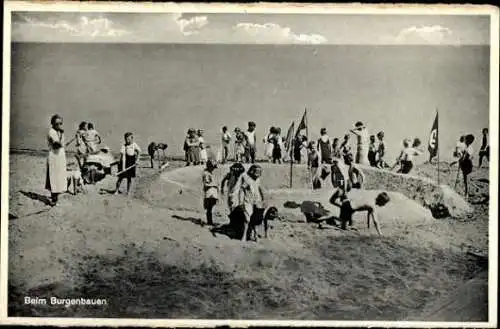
(252, 28)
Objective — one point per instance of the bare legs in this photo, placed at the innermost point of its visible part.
(119, 182)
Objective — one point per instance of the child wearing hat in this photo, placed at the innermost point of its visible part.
(210, 190)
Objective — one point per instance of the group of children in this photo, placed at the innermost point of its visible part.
(87, 141)
(195, 148)
(245, 195)
(244, 191)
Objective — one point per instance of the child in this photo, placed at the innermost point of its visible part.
(336, 148)
(355, 175)
(129, 155)
(235, 171)
(92, 139)
(347, 210)
(239, 145)
(465, 161)
(250, 195)
(277, 146)
(192, 145)
(313, 162)
(81, 148)
(405, 159)
(372, 152)
(251, 142)
(362, 139)
(459, 149)
(485, 148)
(381, 151)
(74, 178)
(203, 147)
(325, 147)
(226, 140)
(345, 148)
(340, 176)
(210, 190)
(268, 140)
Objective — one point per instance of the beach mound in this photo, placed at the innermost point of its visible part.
(185, 185)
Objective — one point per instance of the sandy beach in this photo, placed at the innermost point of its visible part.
(149, 256)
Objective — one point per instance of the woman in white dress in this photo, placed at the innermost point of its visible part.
(55, 180)
(362, 146)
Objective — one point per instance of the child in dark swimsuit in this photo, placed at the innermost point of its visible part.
(484, 152)
(347, 210)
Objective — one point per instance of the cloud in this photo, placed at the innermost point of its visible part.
(192, 25)
(84, 26)
(274, 33)
(435, 34)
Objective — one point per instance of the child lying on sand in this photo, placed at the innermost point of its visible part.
(347, 210)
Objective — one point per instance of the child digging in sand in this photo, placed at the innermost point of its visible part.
(210, 190)
(129, 155)
(347, 210)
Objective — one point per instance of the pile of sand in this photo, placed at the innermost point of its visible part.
(180, 189)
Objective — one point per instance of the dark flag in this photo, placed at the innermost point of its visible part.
(303, 124)
(289, 137)
(433, 139)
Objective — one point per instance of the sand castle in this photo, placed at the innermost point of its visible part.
(184, 185)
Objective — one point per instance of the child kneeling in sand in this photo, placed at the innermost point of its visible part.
(347, 210)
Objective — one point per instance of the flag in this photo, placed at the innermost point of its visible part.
(289, 137)
(303, 124)
(433, 139)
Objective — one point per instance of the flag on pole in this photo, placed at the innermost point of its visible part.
(434, 139)
(289, 137)
(302, 125)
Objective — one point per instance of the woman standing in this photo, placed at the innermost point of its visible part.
(55, 180)
(362, 146)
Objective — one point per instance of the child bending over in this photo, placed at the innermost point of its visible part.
(347, 210)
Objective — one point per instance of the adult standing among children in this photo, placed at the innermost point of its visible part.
(55, 180)
(362, 143)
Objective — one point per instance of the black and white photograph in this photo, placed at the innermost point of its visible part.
(334, 165)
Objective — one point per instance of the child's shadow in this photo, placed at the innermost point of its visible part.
(228, 230)
(193, 220)
(37, 197)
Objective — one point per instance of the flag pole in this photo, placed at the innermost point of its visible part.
(437, 138)
(307, 124)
